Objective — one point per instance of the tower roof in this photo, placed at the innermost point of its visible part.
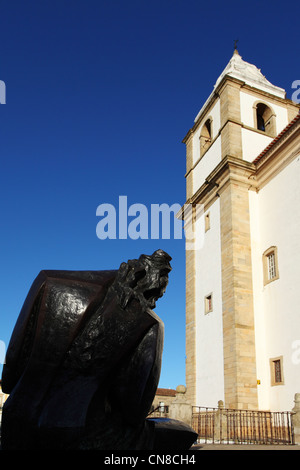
(248, 73)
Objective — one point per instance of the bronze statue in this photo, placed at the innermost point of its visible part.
(84, 359)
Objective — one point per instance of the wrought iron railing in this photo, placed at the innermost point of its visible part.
(228, 426)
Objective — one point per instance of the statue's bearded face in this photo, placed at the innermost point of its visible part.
(154, 276)
(145, 279)
(153, 284)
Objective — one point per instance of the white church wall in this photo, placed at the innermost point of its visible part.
(209, 326)
(253, 144)
(246, 107)
(277, 303)
(280, 227)
(207, 164)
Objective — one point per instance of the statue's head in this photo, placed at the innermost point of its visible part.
(145, 278)
(155, 270)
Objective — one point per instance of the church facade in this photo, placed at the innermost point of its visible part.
(242, 280)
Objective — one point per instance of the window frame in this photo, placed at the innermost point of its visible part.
(207, 221)
(268, 116)
(266, 267)
(206, 136)
(208, 300)
(273, 361)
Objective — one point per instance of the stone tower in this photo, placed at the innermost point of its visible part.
(239, 119)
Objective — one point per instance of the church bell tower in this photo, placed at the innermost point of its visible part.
(239, 119)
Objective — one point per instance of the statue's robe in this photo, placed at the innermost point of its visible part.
(81, 371)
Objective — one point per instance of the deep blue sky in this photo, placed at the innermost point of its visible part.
(99, 97)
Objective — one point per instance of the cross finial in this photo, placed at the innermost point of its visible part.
(235, 44)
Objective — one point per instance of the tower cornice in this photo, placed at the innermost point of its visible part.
(230, 169)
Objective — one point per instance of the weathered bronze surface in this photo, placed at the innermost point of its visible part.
(84, 361)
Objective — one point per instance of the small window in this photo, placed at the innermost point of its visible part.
(270, 265)
(207, 222)
(208, 303)
(265, 119)
(205, 137)
(276, 371)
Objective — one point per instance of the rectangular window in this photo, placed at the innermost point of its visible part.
(276, 371)
(270, 265)
(208, 304)
(207, 222)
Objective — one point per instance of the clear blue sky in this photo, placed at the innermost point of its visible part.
(99, 97)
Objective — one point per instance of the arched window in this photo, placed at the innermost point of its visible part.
(265, 119)
(205, 136)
